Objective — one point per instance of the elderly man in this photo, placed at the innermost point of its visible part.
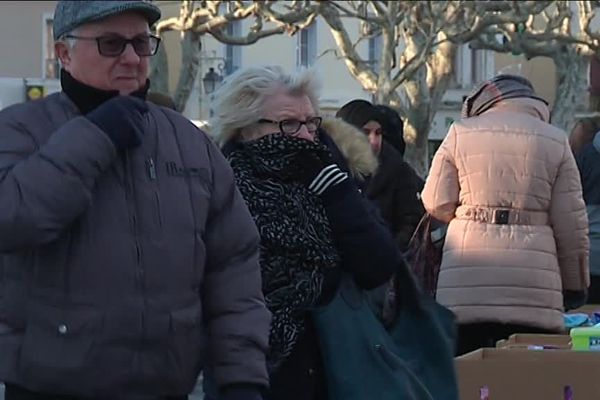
(130, 258)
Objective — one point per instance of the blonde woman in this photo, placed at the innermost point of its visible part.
(297, 174)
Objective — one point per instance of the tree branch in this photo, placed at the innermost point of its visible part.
(356, 65)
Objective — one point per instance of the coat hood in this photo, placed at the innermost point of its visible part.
(354, 145)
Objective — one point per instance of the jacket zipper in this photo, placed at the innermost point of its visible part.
(138, 250)
(152, 176)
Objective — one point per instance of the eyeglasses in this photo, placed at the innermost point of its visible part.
(292, 126)
(114, 45)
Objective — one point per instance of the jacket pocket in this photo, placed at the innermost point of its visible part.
(186, 347)
(58, 347)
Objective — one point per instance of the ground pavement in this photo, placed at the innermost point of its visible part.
(196, 395)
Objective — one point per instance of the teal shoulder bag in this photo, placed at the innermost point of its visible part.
(413, 359)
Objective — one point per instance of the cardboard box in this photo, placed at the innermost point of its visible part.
(525, 340)
(518, 374)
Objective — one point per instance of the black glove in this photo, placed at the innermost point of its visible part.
(241, 392)
(573, 299)
(318, 171)
(122, 119)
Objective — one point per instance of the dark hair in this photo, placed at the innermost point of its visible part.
(589, 124)
(358, 113)
(579, 139)
(393, 127)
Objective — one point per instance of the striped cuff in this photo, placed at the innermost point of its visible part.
(329, 176)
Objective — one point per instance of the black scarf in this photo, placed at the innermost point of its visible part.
(87, 98)
(296, 238)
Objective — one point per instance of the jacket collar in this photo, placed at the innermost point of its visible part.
(534, 107)
(87, 98)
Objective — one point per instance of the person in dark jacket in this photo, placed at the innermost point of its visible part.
(588, 162)
(297, 174)
(130, 258)
(582, 134)
(395, 187)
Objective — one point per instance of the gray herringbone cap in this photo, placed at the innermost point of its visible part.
(68, 15)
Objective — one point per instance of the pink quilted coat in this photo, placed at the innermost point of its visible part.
(510, 158)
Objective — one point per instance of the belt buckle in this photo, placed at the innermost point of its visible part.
(500, 217)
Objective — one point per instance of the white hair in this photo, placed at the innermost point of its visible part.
(69, 41)
(238, 103)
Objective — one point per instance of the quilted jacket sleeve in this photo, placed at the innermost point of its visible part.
(45, 186)
(440, 194)
(570, 223)
(237, 317)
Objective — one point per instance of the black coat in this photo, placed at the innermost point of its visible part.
(396, 188)
(367, 251)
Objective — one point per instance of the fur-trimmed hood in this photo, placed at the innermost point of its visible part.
(354, 145)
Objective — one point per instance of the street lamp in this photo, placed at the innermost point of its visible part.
(211, 80)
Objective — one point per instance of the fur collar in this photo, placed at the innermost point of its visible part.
(354, 145)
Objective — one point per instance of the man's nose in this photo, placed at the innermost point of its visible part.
(129, 55)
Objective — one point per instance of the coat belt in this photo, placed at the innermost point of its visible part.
(502, 216)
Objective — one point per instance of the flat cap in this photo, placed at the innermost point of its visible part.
(68, 15)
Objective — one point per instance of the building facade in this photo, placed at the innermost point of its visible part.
(29, 67)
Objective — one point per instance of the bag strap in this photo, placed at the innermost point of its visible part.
(424, 224)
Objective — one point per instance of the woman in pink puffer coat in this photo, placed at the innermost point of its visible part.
(516, 250)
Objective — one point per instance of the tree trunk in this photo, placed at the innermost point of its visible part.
(418, 121)
(417, 126)
(571, 76)
(425, 92)
(159, 71)
(190, 64)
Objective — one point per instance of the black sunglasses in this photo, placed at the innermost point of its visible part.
(292, 126)
(114, 45)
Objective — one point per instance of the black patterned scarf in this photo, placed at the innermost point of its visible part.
(296, 238)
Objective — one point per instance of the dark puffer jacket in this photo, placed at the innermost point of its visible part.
(366, 248)
(117, 265)
(588, 161)
(396, 188)
(367, 252)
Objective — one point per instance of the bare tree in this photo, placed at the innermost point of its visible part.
(197, 18)
(419, 43)
(562, 32)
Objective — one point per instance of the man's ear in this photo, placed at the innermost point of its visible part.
(63, 53)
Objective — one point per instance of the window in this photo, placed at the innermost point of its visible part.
(457, 79)
(375, 51)
(50, 65)
(472, 66)
(479, 66)
(233, 53)
(307, 46)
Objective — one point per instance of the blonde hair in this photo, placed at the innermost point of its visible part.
(238, 103)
